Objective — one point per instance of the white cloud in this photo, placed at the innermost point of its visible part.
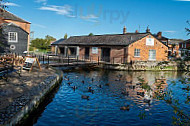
(10, 4)
(90, 17)
(183, 0)
(170, 31)
(65, 10)
(38, 25)
(44, 2)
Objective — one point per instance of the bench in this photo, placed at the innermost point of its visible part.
(5, 71)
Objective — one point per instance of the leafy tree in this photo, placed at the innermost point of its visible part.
(49, 38)
(65, 36)
(43, 44)
(2, 4)
(91, 34)
(187, 29)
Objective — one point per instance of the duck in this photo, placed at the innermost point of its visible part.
(74, 88)
(125, 108)
(69, 83)
(107, 84)
(128, 82)
(120, 76)
(85, 97)
(90, 90)
(125, 93)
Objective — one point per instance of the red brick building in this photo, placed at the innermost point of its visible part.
(184, 48)
(117, 48)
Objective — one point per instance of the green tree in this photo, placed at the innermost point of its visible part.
(65, 36)
(91, 34)
(49, 38)
(42, 44)
(188, 29)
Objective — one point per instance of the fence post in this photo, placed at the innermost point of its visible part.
(48, 59)
(43, 59)
(68, 60)
(98, 60)
(77, 59)
(59, 59)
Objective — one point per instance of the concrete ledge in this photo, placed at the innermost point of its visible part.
(43, 89)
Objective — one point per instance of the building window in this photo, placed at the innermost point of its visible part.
(184, 45)
(152, 54)
(165, 43)
(137, 53)
(12, 37)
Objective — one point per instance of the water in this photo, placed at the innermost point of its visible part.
(103, 106)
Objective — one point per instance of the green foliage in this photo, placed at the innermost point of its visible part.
(2, 4)
(65, 36)
(42, 44)
(91, 34)
(187, 29)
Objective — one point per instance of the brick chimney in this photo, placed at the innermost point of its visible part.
(124, 30)
(136, 31)
(159, 34)
(147, 30)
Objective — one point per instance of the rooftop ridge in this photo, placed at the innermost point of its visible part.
(110, 34)
(22, 20)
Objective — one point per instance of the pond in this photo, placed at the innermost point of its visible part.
(118, 98)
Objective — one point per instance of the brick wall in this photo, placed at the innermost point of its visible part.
(117, 54)
(161, 50)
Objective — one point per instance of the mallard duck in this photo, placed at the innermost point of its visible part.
(125, 108)
(85, 97)
(90, 90)
(125, 93)
(107, 84)
(82, 81)
(74, 88)
(69, 83)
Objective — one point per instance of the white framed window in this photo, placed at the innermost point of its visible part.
(12, 37)
(137, 53)
(152, 54)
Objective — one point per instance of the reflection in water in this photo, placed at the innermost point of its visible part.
(98, 98)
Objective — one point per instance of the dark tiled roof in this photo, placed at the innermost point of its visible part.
(175, 41)
(162, 38)
(117, 39)
(185, 41)
(9, 16)
(58, 41)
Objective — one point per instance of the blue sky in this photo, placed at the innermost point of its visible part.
(81, 17)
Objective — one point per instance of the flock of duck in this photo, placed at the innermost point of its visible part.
(90, 90)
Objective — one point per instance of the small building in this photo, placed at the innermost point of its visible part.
(184, 47)
(117, 48)
(7, 18)
(160, 37)
(56, 47)
(173, 48)
(15, 37)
